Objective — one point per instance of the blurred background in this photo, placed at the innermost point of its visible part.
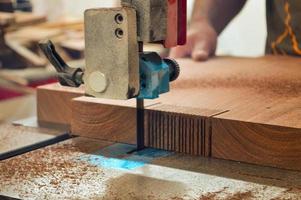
(25, 22)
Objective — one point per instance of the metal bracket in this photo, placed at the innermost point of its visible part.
(112, 57)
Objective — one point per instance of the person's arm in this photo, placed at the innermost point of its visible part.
(209, 19)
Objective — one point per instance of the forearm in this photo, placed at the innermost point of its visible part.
(217, 12)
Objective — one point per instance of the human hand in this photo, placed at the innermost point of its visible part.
(201, 42)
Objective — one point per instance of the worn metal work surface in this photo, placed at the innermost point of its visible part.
(15, 137)
(90, 169)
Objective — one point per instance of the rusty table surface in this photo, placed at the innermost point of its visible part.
(82, 168)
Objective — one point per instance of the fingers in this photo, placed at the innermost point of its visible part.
(202, 50)
(199, 49)
(199, 52)
(179, 52)
(201, 43)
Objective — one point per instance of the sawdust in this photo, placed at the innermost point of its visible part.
(3, 141)
(267, 86)
(26, 136)
(135, 186)
(236, 196)
(212, 195)
(241, 195)
(290, 193)
(52, 170)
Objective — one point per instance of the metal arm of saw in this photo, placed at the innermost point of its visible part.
(67, 76)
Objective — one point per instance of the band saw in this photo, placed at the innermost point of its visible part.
(116, 65)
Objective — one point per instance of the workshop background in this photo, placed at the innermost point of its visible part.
(62, 22)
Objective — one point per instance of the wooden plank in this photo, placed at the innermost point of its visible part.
(115, 121)
(76, 24)
(262, 144)
(18, 41)
(257, 90)
(32, 34)
(262, 103)
(247, 94)
(54, 104)
(26, 19)
(26, 53)
(20, 19)
(111, 120)
(6, 19)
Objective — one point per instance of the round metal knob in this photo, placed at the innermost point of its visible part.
(97, 81)
(174, 69)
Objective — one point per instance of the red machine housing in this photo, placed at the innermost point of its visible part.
(176, 23)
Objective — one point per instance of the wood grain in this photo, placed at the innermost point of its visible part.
(252, 89)
(243, 109)
(115, 121)
(110, 120)
(257, 143)
(54, 104)
(178, 129)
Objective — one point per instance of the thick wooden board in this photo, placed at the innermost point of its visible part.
(27, 19)
(54, 104)
(83, 168)
(115, 121)
(260, 90)
(20, 19)
(261, 100)
(257, 143)
(218, 108)
(110, 120)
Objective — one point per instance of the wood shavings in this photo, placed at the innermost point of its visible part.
(51, 172)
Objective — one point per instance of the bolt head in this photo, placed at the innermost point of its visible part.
(97, 81)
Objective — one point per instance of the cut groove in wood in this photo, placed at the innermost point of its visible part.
(176, 132)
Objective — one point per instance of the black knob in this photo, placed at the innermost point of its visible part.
(72, 77)
(174, 69)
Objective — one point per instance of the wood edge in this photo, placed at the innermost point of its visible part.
(56, 87)
(277, 162)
